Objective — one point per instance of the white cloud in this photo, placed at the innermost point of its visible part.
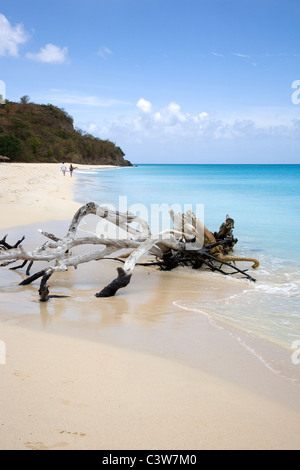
(171, 115)
(11, 37)
(61, 97)
(50, 54)
(144, 106)
(104, 51)
(217, 55)
(84, 100)
(203, 115)
(244, 56)
(170, 125)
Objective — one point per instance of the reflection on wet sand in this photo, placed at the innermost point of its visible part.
(148, 300)
(145, 315)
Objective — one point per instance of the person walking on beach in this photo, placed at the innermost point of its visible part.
(71, 170)
(63, 169)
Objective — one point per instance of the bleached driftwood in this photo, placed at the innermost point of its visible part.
(189, 243)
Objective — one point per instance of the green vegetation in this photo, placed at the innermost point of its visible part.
(10, 145)
(44, 133)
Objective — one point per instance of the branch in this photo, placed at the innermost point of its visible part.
(122, 280)
(9, 247)
(189, 243)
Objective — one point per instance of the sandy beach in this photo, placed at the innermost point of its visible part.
(124, 373)
(35, 192)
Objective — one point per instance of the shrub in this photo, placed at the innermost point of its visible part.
(10, 146)
(35, 144)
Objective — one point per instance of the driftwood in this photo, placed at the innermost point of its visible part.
(189, 243)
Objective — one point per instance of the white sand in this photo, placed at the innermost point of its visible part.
(35, 192)
(64, 392)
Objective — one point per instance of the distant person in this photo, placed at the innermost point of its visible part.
(71, 170)
(63, 169)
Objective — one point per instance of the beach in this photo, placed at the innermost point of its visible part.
(87, 373)
(28, 192)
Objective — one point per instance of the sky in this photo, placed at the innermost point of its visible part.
(169, 81)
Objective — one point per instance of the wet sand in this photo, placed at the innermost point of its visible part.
(135, 371)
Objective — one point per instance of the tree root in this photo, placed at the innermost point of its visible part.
(189, 244)
(122, 280)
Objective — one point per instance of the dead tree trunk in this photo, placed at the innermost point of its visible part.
(189, 243)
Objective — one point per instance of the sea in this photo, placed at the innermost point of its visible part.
(263, 200)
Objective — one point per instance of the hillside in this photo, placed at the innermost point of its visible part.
(44, 133)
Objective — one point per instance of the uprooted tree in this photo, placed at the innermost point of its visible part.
(188, 243)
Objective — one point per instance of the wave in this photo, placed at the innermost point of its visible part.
(253, 334)
(289, 289)
(86, 172)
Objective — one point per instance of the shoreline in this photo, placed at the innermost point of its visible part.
(81, 379)
(37, 192)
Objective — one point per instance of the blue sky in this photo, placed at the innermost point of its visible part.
(170, 81)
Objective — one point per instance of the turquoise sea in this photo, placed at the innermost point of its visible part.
(264, 201)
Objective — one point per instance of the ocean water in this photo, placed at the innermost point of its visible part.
(264, 201)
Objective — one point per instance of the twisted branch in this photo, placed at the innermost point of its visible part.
(189, 243)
